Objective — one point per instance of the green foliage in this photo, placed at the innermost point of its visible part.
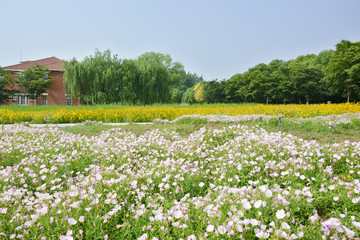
(188, 96)
(105, 79)
(6, 89)
(343, 69)
(35, 81)
(214, 91)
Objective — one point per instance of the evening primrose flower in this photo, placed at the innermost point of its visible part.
(280, 214)
(258, 204)
(313, 218)
(191, 237)
(247, 205)
(210, 228)
(178, 214)
(356, 224)
(143, 237)
(72, 221)
(221, 229)
(3, 210)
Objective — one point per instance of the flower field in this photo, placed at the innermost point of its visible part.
(150, 113)
(231, 183)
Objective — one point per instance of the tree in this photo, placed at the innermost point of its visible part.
(35, 81)
(189, 80)
(199, 92)
(214, 91)
(305, 77)
(343, 70)
(188, 96)
(232, 86)
(6, 86)
(96, 80)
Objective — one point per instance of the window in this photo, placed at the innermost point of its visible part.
(22, 100)
(43, 99)
(68, 100)
(13, 98)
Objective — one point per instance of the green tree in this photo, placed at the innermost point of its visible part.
(188, 96)
(343, 70)
(214, 91)
(35, 81)
(261, 85)
(6, 86)
(305, 77)
(96, 80)
(232, 85)
(189, 80)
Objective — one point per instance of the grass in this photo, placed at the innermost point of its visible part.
(306, 131)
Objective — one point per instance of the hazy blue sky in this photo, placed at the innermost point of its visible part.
(216, 39)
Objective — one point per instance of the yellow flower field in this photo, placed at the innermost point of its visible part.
(150, 113)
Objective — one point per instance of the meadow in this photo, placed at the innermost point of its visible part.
(196, 176)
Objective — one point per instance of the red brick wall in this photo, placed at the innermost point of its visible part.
(56, 90)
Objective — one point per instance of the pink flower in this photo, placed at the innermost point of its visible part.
(280, 214)
(72, 221)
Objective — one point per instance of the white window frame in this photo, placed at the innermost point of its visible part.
(68, 100)
(22, 99)
(44, 99)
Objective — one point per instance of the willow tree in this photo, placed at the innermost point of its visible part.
(158, 74)
(95, 80)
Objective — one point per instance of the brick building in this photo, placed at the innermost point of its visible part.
(55, 95)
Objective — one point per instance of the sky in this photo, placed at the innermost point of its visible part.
(212, 38)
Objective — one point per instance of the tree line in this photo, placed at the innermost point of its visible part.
(331, 75)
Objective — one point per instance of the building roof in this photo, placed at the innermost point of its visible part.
(53, 63)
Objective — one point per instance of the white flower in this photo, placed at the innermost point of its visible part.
(268, 193)
(72, 221)
(356, 224)
(143, 237)
(178, 214)
(98, 177)
(285, 226)
(81, 219)
(280, 214)
(3, 210)
(210, 228)
(201, 184)
(66, 238)
(258, 204)
(221, 229)
(239, 228)
(313, 218)
(247, 205)
(191, 237)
